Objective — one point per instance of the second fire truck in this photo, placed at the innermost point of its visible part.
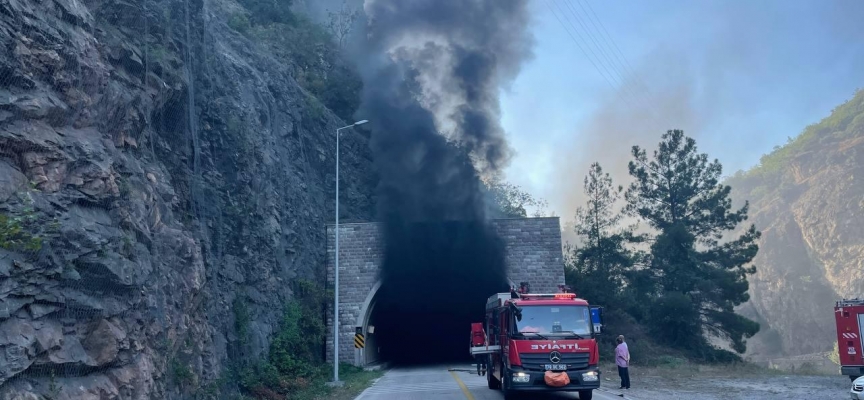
(538, 343)
(849, 316)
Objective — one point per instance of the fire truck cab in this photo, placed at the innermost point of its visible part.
(849, 315)
(530, 334)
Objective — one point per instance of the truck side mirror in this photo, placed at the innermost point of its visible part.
(517, 312)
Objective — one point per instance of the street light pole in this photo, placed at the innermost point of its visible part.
(336, 273)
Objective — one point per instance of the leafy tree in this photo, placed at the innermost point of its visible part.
(596, 268)
(697, 280)
(512, 201)
(341, 21)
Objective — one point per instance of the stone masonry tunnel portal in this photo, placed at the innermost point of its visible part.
(533, 253)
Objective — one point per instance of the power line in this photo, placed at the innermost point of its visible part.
(611, 72)
(639, 96)
(584, 52)
(611, 85)
(617, 51)
(623, 81)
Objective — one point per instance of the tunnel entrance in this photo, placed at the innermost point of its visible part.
(411, 331)
(435, 282)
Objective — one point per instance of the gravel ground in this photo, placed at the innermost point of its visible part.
(726, 383)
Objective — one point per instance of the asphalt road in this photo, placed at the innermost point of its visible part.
(449, 382)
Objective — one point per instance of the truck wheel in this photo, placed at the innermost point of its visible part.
(491, 381)
(509, 394)
(586, 394)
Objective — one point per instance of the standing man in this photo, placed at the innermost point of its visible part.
(478, 338)
(622, 359)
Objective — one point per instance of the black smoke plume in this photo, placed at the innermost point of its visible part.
(432, 76)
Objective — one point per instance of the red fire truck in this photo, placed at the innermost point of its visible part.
(538, 343)
(849, 315)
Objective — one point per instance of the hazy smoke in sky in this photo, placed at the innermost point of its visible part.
(715, 83)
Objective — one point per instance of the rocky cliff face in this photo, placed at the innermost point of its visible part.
(154, 167)
(807, 197)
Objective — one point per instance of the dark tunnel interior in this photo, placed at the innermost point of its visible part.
(436, 278)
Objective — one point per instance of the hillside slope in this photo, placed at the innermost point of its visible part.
(807, 197)
(156, 170)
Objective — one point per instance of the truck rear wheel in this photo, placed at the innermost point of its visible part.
(586, 394)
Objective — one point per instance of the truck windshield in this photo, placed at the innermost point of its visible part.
(551, 320)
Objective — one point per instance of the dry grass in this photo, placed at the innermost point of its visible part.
(677, 372)
(743, 381)
(356, 380)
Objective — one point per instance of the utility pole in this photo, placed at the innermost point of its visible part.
(336, 272)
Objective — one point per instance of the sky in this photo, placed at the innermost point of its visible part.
(738, 76)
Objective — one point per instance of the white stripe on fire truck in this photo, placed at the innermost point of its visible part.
(850, 335)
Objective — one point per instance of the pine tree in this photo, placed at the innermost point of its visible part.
(598, 219)
(595, 269)
(696, 277)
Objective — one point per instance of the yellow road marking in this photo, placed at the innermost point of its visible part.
(465, 390)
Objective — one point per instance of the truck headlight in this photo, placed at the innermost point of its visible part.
(590, 376)
(521, 377)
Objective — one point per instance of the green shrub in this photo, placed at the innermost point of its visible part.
(670, 361)
(14, 233)
(714, 355)
(261, 374)
(181, 373)
(294, 360)
(240, 23)
(313, 110)
(808, 368)
(123, 188)
(293, 347)
(265, 12)
(241, 319)
(53, 388)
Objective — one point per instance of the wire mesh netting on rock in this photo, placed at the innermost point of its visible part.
(166, 170)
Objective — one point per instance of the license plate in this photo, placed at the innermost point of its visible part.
(556, 367)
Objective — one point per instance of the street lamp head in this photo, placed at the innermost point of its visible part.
(361, 122)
